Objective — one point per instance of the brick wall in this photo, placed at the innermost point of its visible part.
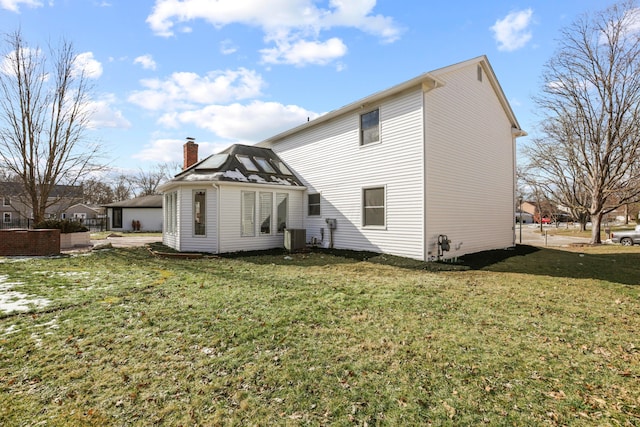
(29, 242)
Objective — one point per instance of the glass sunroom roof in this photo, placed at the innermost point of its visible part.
(213, 162)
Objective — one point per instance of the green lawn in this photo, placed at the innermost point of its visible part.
(118, 337)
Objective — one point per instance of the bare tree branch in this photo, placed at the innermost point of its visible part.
(587, 159)
(43, 118)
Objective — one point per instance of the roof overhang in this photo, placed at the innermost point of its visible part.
(426, 81)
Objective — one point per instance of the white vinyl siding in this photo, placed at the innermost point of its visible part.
(185, 239)
(469, 165)
(329, 159)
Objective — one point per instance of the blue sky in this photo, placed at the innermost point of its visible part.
(229, 71)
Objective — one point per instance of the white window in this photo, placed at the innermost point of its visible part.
(6, 217)
(199, 213)
(248, 215)
(282, 202)
(313, 204)
(266, 211)
(370, 127)
(171, 212)
(373, 203)
(6, 201)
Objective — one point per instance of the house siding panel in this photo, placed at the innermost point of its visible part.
(396, 163)
(469, 166)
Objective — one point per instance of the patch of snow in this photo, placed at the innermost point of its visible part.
(11, 330)
(11, 301)
(257, 178)
(280, 181)
(236, 174)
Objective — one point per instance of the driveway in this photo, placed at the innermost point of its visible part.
(531, 236)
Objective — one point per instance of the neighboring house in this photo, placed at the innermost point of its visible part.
(81, 211)
(145, 210)
(404, 171)
(16, 210)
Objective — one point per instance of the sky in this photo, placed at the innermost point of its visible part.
(240, 71)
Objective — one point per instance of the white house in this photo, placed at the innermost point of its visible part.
(140, 213)
(425, 169)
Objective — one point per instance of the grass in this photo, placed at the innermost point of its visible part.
(523, 337)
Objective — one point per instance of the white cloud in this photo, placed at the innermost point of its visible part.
(512, 32)
(289, 24)
(246, 123)
(304, 52)
(183, 89)
(170, 150)
(227, 47)
(85, 62)
(146, 61)
(105, 116)
(14, 5)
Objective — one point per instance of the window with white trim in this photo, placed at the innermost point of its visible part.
(282, 203)
(171, 212)
(313, 205)
(199, 213)
(266, 212)
(370, 127)
(248, 213)
(6, 201)
(373, 207)
(6, 217)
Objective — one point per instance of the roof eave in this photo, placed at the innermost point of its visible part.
(427, 81)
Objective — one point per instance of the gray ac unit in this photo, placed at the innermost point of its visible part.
(295, 239)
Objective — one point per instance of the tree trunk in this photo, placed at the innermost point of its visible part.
(596, 219)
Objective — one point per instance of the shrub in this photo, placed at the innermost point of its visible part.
(64, 225)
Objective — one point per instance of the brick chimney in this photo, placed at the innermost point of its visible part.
(190, 153)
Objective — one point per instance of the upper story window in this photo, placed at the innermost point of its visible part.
(370, 127)
(247, 163)
(6, 201)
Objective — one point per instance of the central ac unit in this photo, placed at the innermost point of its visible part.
(295, 239)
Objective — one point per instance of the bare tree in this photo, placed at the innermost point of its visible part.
(588, 157)
(43, 117)
(97, 192)
(121, 188)
(147, 182)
